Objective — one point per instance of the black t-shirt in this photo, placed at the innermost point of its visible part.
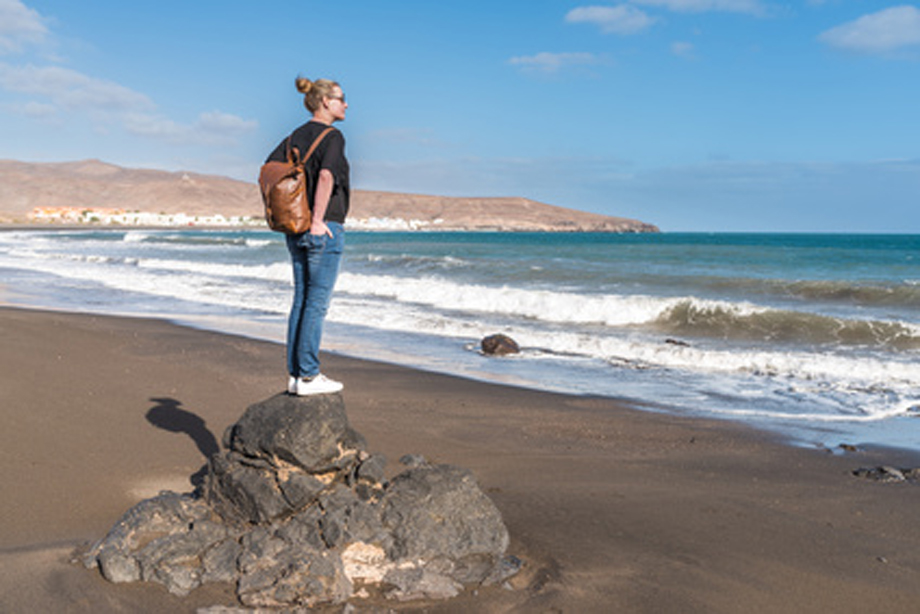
(330, 154)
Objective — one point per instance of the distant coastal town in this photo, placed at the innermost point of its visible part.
(100, 216)
(120, 217)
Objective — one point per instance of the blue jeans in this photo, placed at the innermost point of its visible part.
(316, 260)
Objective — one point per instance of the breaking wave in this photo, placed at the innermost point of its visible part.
(690, 317)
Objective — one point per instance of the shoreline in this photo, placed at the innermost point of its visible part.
(792, 435)
(812, 424)
(610, 507)
(260, 226)
(361, 226)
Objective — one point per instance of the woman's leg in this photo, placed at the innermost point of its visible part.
(295, 319)
(323, 257)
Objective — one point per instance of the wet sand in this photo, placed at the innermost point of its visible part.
(611, 509)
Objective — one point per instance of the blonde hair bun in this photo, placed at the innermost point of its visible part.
(303, 84)
(314, 91)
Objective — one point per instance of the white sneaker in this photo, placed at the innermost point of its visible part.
(316, 385)
(292, 384)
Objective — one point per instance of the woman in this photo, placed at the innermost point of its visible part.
(316, 254)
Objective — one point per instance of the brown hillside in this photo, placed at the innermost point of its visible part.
(96, 184)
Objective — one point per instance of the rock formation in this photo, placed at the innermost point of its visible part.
(887, 473)
(499, 345)
(296, 512)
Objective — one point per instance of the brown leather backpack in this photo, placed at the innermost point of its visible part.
(286, 190)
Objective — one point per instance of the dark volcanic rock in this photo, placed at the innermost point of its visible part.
(439, 510)
(277, 572)
(296, 513)
(282, 453)
(307, 435)
(439, 517)
(887, 473)
(241, 493)
(499, 345)
(165, 539)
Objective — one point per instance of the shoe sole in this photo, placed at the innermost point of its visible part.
(311, 393)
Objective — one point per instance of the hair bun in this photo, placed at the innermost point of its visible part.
(303, 84)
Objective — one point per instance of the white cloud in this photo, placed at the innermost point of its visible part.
(71, 89)
(626, 18)
(53, 92)
(19, 26)
(751, 7)
(554, 62)
(682, 49)
(620, 19)
(218, 121)
(212, 127)
(887, 30)
(33, 110)
(107, 103)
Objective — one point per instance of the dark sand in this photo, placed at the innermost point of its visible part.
(612, 509)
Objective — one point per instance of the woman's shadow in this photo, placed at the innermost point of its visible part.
(168, 415)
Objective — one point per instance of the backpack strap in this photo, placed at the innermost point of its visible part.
(288, 154)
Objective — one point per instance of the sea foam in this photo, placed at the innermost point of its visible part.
(760, 336)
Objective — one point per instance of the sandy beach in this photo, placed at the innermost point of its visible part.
(611, 509)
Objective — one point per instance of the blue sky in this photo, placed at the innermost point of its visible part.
(695, 115)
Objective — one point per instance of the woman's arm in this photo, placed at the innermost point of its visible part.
(321, 202)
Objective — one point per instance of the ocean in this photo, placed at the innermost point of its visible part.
(815, 337)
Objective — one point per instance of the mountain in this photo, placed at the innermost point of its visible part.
(92, 184)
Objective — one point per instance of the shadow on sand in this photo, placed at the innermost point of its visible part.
(168, 415)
